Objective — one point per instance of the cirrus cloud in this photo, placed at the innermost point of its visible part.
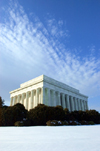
(29, 49)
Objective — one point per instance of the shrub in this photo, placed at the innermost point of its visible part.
(60, 123)
(39, 115)
(19, 123)
(54, 123)
(42, 113)
(65, 123)
(93, 115)
(1, 112)
(2, 119)
(91, 123)
(13, 113)
(1, 102)
(83, 122)
(72, 123)
(57, 113)
(27, 122)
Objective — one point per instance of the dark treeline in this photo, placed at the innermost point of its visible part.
(19, 116)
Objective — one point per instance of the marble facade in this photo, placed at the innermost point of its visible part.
(45, 90)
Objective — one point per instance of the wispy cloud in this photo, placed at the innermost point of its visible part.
(57, 29)
(30, 49)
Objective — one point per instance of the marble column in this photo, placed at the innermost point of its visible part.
(79, 105)
(86, 105)
(37, 97)
(14, 100)
(82, 105)
(76, 107)
(32, 98)
(59, 102)
(51, 98)
(63, 100)
(27, 95)
(40, 96)
(68, 105)
(11, 102)
(72, 104)
(23, 98)
(43, 95)
(29, 101)
(18, 98)
(54, 98)
(48, 97)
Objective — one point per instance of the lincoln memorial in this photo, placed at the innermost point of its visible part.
(45, 90)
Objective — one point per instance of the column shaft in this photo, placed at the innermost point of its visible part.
(59, 102)
(86, 105)
(76, 104)
(54, 99)
(14, 100)
(43, 94)
(31, 99)
(63, 101)
(48, 97)
(23, 98)
(37, 97)
(82, 105)
(11, 102)
(26, 106)
(68, 105)
(72, 104)
(18, 98)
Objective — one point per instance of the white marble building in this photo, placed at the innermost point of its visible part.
(45, 90)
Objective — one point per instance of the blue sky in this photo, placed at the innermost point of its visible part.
(60, 39)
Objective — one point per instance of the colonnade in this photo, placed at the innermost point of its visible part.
(31, 99)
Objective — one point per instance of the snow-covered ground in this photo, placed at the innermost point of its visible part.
(45, 138)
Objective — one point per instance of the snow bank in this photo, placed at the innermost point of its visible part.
(44, 138)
